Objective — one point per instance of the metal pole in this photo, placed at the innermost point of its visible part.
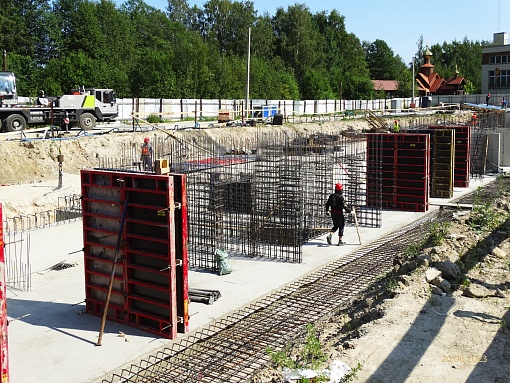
(248, 74)
(412, 97)
(112, 275)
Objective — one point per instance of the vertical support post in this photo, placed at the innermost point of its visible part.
(60, 159)
(196, 112)
(133, 113)
(4, 354)
(66, 121)
(412, 96)
(248, 73)
(112, 275)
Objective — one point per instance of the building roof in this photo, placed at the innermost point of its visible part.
(386, 85)
(431, 83)
(456, 81)
(434, 83)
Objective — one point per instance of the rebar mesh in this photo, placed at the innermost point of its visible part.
(18, 270)
(68, 209)
(260, 194)
(233, 348)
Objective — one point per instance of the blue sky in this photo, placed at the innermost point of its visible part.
(401, 23)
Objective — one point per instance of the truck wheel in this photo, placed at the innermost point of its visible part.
(14, 123)
(87, 121)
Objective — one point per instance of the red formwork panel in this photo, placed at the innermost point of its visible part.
(181, 250)
(4, 349)
(131, 218)
(462, 163)
(398, 171)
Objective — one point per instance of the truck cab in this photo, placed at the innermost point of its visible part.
(8, 94)
(80, 109)
(103, 102)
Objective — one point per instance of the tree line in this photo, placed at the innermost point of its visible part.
(202, 52)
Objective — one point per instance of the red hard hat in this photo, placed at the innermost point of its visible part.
(146, 139)
(339, 186)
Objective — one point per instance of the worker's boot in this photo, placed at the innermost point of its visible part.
(328, 238)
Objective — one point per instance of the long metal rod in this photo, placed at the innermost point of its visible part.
(112, 275)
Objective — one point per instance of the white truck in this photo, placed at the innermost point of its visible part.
(8, 94)
(80, 109)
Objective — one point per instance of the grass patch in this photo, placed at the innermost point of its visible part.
(351, 376)
(310, 354)
(391, 284)
(483, 216)
(437, 233)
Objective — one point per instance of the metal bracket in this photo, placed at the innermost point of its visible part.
(163, 211)
(178, 262)
(177, 205)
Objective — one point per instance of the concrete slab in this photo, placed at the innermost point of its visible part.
(54, 341)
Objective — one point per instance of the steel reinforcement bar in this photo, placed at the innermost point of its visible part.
(234, 347)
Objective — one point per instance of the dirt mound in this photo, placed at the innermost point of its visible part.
(36, 160)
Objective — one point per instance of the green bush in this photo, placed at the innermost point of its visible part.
(154, 119)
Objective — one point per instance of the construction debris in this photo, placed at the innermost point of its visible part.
(203, 295)
(62, 265)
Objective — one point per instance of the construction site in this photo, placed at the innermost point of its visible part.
(131, 260)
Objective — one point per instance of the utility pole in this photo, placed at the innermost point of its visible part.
(412, 97)
(248, 75)
(5, 60)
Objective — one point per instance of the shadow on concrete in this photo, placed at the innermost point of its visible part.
(62, 317)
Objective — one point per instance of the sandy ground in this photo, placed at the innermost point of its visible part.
(421, 337)
(405, 329)
(441, 339)
(23, 199)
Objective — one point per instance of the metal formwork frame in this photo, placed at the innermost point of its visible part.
(144, 290)
(442, 160)
(462, 163)
(404, 163)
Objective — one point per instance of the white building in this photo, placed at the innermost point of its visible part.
(496, 67)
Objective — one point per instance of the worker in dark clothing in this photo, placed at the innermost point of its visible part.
(336, 202)
(146, 157)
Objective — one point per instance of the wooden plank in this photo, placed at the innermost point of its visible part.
(453, 204)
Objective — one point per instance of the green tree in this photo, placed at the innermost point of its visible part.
(272, 80)
(226, 23)
(201, 52)
(464, 57)
(194, 68)
(178, 11)
(298, 42)
(382, 63)
(154, 65)
(344, 57)
(263, 38)
(316, 86)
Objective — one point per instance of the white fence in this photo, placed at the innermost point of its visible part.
(199, 109)
(177, 109)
